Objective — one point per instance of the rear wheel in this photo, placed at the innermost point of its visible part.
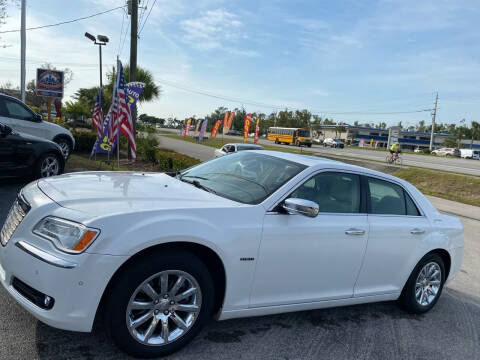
(159, 303)
(425, 285)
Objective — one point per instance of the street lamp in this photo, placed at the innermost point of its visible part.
(102, 40)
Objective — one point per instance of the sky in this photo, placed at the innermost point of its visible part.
(342, 59)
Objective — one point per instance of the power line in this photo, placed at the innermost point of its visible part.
(154, 1)
(276, 107)
(124, 37)
(65, 22)
(121, 32)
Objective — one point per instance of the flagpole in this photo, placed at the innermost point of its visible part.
(118, 128)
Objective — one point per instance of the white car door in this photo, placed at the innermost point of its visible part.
(397, 229)
(303, 259)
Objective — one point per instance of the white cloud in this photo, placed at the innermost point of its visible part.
(213, 29)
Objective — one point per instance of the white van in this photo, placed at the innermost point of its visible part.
(470, 154)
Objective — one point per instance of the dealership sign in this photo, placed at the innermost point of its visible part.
(49, 83)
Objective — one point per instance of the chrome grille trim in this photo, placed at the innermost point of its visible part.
(15, 216)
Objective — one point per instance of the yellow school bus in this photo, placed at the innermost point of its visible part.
(296, 136)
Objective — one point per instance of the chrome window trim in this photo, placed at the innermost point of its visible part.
(44, 256)
(270, 210)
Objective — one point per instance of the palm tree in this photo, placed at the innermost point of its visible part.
(150, 92)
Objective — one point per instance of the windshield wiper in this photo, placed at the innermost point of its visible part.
(193, 177)
(197, 184)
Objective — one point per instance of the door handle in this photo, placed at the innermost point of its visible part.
(354, 232)
(417, 231)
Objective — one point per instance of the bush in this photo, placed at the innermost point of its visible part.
(172, 161)
(146, 148)
(426, 151)
(84, 141)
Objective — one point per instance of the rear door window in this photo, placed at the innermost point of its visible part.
(390, 199)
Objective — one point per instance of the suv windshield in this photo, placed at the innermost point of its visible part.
(246, 177)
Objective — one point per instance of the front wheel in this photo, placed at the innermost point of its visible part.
(159, 303)
(424, 286)
(388, 159)
(48, 165)
(65, 146)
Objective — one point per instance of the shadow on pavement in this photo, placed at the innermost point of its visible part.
(371, 331)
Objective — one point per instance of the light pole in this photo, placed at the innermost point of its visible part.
(102, 40)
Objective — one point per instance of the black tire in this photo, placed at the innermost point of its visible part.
(132, 276)
(407, 299)
(309, 145)
(65, 145)
(37, 173)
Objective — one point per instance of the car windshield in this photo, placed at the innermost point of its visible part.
(304, 133)
(246, 177)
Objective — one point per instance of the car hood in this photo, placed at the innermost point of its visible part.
(32, 138)
(105, 193)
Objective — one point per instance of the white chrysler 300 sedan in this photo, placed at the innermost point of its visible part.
(253, 233)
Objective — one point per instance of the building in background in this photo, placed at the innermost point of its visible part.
(408, 140)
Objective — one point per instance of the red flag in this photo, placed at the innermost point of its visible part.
(225, 123)
(246, 127)
(230, 120)
(216, 126)
(187, 127)
(257, 128)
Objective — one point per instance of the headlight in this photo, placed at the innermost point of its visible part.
(66, 235)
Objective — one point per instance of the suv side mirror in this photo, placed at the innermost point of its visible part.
(37, 118)
(301, 206)
(5, 130)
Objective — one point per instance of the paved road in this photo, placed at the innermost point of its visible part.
(373, 331)
(465, 166)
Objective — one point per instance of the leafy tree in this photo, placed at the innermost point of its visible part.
(475, 132)
(450, 142)
(77, 110)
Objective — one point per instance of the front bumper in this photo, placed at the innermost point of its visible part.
(76, 290)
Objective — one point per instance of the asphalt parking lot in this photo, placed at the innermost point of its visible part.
(373, 331)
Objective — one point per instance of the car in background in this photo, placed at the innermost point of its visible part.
(417, 150)
(446, 152)
(27, 155)
(250, 234)
(234, 132)
(334, 143)
(470, 154)
(233, 148)
(21, 118)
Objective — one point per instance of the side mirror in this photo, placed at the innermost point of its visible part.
(5, 130)
(301, 206)
(37, 118)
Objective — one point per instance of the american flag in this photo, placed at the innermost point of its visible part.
(121, 118)
(97, 116)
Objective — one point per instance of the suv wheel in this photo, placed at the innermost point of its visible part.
(48, 165)
(65, 146)
(159, 303)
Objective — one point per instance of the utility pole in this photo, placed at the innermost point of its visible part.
(133, 57)
(434, 114)
(22, 51)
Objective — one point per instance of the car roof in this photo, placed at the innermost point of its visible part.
(321, 163)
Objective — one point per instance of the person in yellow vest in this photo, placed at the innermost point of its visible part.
(394, 150)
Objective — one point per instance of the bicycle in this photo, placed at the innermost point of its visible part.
(394, 160)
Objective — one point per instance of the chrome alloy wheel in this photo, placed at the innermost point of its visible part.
(49, 166)
(428, 283)
(65, 148)
(164, 307)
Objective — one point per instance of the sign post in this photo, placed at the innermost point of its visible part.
(393, 135)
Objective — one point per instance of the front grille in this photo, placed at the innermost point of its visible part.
(38, 298)
(15, 216)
